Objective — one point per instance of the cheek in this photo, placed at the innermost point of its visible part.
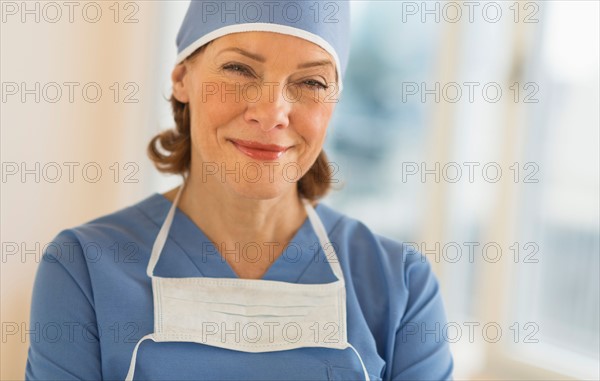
(212, 109)
(312, 122)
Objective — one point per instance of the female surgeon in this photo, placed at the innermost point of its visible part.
(239, 273)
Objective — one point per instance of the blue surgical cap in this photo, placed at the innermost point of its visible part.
(325, 23)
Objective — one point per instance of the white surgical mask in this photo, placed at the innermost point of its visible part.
(248, 315)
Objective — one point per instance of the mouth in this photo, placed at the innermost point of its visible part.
(259, 151)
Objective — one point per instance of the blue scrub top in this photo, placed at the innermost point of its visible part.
(92, 301)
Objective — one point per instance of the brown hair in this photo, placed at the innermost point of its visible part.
(177, 142)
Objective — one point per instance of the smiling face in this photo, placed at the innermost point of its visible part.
(260, 103)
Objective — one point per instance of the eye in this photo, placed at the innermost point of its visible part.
(238, 69)
(315, 84)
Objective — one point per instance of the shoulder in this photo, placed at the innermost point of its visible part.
(381, 262)
(112, 238)
(364, 243)
(130, 221)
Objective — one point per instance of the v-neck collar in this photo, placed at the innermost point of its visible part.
(301, 251)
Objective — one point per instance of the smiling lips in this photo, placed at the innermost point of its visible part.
(259, 151)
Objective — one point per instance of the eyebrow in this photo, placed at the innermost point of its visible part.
(262, 59)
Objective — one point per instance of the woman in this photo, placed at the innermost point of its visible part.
(239, 274)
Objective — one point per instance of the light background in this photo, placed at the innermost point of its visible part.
(397, 155)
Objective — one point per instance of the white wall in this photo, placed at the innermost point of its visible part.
(46, 132)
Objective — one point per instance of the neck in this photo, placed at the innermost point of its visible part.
(233, 222)
(229, 215)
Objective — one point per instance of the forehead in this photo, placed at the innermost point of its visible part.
(266, 43)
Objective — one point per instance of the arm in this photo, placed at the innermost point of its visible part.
(420, 350)
(66, 346)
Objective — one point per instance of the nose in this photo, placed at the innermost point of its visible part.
(269, 107)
